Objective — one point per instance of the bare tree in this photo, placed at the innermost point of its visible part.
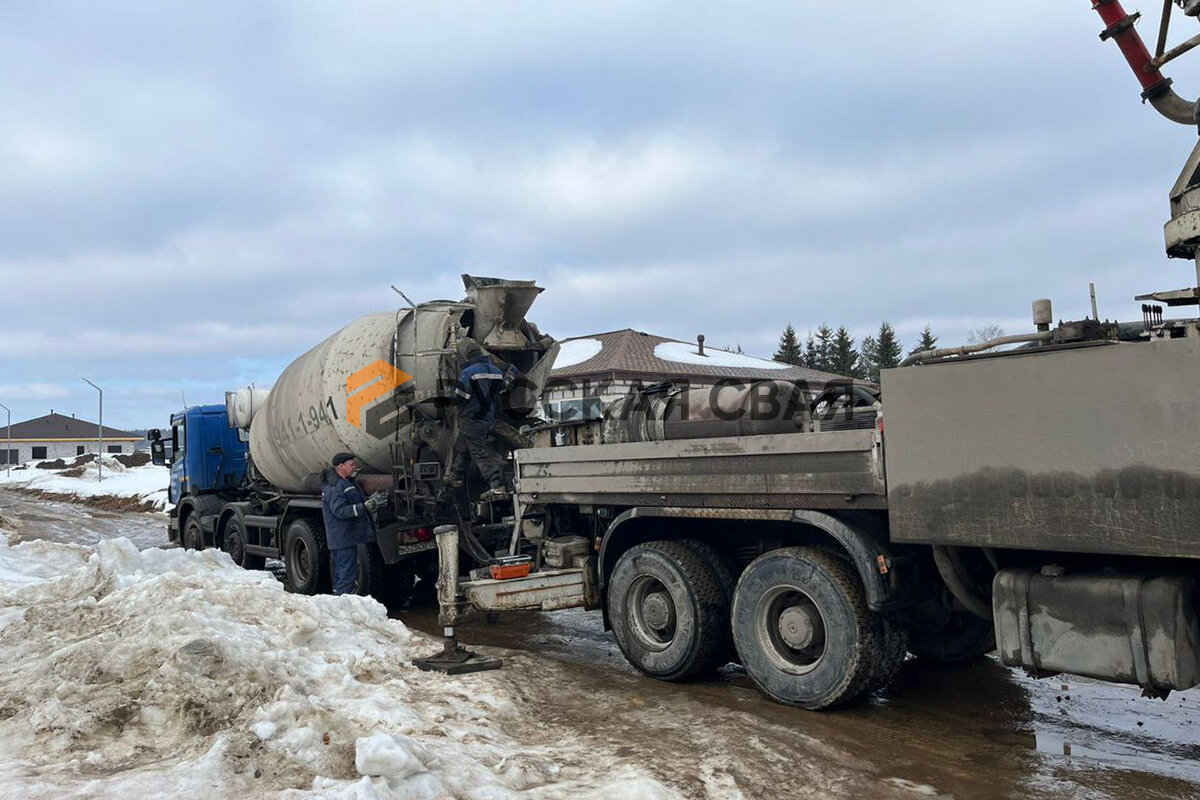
(985, 333)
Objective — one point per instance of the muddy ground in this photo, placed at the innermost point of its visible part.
(41, 515)
(976, 731)
(979, 731)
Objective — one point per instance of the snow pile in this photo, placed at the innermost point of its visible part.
(684, 353)
(174, 673)
(145, 484)
(577, 351)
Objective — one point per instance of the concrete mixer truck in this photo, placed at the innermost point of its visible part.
(246, 474)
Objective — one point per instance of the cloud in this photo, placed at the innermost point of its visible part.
(192, 200)
(32, 391)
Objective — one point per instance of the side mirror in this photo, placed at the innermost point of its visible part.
(158, 453)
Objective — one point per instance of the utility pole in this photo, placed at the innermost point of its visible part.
(7, 443)
(99, 433)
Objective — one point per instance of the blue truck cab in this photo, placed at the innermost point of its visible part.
(208, 455)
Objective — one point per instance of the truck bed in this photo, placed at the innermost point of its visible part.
(841, 469)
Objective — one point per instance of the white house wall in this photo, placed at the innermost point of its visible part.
(64, 450)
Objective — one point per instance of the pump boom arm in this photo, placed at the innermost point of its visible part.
(1156, 88)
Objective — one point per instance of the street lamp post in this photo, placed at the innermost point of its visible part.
(99, 433)
(7, 443)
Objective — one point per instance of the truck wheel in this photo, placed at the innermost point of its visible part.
(306, 558)
(946, 634)
(803, 629)
(892, 654)
(728, 581)
(390, 584)
(234, 543)
(668, 611)
(193, 534)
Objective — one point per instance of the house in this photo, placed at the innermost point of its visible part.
(59, 436)
(592, 370)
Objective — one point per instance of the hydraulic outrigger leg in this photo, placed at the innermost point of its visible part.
(454, 658)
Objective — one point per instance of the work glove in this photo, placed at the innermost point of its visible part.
(376, 501)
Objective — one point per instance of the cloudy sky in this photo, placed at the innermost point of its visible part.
(193, 194)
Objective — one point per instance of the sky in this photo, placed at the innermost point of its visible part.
(193, 195)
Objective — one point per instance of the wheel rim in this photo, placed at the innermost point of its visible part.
(651, 613)
(192, 538)
(233, 543)
(790, 629)
(300, 559)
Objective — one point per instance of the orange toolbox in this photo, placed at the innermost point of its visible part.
(511, 567)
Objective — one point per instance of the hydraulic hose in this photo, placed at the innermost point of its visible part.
(967, 349)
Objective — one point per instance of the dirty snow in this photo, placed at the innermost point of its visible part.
(147, 483)
(685, 353)
(577, 351)
(174, 673)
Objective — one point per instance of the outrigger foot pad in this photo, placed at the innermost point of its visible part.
(457, 660)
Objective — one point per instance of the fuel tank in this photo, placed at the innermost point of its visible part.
(356, 390)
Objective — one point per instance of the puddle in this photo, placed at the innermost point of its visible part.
(1166, 758)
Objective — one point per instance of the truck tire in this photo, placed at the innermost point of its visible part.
(668, 611)
(234, 543)
(953, 638)
(306, 558)
(728, 581)
(390, 584)
(803, 629)
(193, 534)
(892, 654)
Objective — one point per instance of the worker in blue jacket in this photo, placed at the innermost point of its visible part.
(480, 386)
(348, 520)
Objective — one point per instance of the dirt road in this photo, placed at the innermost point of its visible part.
(73, 523)
(981, 731)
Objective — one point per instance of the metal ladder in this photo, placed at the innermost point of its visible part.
(402, 486)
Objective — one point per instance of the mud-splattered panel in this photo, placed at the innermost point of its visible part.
(1092, 449)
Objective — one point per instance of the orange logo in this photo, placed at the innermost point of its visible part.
(368, 388)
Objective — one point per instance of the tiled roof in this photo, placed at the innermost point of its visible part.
(630, 353)
(60, 426)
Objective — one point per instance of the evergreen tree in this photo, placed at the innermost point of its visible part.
(887, 350)
(868, 360)
(789, 351)
(843, 357)
(824, 349)
(928, 342)
(811, 354)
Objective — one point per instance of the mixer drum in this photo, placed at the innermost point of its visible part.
(304, 420)
(344, 394)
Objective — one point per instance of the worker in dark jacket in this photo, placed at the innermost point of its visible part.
(480, 385)
(348, 521)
